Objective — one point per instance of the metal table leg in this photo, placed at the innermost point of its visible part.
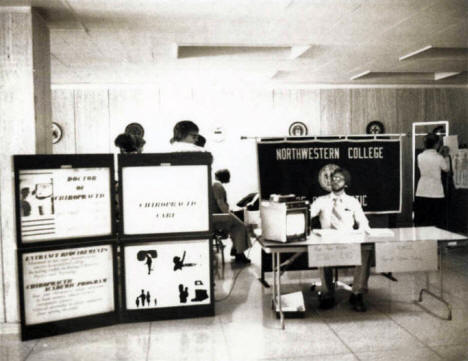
(273, 293)
(278, 274)
(437, 297)
(276, 294)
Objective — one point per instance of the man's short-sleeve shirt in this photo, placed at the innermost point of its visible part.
(350, 210)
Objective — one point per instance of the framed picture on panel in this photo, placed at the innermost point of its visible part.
(165, 279)
(67, 288)
(164, 195)
(64, 198)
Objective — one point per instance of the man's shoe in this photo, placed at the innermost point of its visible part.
(241, 259)
(358, 304)
(326, 302)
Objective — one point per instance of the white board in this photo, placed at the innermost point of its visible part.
(329, 255)
(167, 274)
(406, 256)
(165, 199)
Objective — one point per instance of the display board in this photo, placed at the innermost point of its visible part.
(67, 288)
(303, 168)
(167, 279)
(62, 198)
(165, 194)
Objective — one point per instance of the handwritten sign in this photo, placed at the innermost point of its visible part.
(326, 255)
(406, 256)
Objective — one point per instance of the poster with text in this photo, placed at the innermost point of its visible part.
(64, 203)
(67, 283)
(167, 274)
(165, 199)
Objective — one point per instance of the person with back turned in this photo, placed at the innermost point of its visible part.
(224, 219)
(129, 143)
(337, 210)
(429, 199)
(186, 137)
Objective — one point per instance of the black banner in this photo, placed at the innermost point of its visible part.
(303, 168)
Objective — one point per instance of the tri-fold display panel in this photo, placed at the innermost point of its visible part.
(66, 217)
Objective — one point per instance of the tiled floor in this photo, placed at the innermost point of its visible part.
(245, 328)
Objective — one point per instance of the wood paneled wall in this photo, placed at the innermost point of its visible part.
(92, 119)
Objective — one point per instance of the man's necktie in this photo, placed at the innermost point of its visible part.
(336, 219)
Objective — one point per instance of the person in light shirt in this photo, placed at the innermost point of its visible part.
(339, 211)
(185, 137)
(429, 200)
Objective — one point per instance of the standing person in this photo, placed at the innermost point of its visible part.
(185, 137)
(429, 199)
(337, 210)
(224, 219)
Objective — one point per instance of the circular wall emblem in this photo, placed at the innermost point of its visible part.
(375, 127)
(135, 129)
(298, 129)
(324, 176)
(56, 133)
(218, 134)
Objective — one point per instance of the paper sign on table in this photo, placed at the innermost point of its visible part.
(326, 255)
(406, 256)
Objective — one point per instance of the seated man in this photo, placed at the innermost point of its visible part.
(337, 210)
(227, 220)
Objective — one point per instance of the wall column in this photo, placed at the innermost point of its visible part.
(25, 126)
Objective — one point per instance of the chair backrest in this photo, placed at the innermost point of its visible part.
(221, 233)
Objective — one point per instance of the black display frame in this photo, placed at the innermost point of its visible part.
(63, 161)
(165, 313)
(164, 159)
(71, 324)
